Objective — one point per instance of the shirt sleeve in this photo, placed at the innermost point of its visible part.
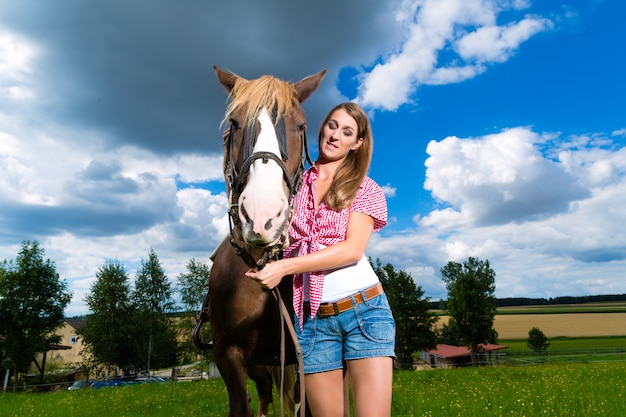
(371, 200)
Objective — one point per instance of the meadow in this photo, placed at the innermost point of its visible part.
(582, 389)
(573, 378)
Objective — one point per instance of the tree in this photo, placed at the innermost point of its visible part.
(471, 304)
(193, 284)
(415, 323)
(152, 299)
(109, 330)
(32, 301)
(537, 341)
(192, 287)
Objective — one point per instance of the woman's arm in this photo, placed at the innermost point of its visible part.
(346, 252)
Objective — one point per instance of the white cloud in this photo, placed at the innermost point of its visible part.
(495, 179)
(203, 211)
(593, 163)
(17, 56)
(448, 75)
(493, 191)
(498, 43)
(36, 177)
(388, 190)
(437, 26)
(78, 165)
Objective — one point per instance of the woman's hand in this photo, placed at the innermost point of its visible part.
(268, 277)
(346, 252)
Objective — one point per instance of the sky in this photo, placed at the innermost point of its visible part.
(499, 130)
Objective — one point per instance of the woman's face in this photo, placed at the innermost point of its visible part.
(339, 137)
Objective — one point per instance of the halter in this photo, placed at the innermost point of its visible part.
(236, 181)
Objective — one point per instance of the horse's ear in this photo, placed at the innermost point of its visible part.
(306, 86)
(227, 79)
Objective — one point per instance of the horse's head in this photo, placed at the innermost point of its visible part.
(264, 152)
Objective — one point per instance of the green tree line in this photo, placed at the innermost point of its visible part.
(32, 301)
(139, 328)
(130, 324)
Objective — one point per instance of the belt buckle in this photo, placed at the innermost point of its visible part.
(336, 308)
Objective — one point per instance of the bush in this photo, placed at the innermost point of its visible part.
(537, 341)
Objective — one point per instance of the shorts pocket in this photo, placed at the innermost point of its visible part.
(306, 335)
(376, 321)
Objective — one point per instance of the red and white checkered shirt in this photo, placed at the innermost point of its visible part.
(310, 229)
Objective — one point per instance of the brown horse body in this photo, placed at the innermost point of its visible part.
(246, 329)
(261, 179)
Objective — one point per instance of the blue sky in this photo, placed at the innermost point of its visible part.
(499, 129)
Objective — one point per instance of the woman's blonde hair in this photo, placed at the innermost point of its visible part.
(350, 174)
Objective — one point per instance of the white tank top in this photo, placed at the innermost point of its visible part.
(342, 282)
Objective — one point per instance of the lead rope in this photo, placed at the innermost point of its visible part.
(282, 354)
(285, 313)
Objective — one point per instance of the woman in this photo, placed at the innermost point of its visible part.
(342, 312)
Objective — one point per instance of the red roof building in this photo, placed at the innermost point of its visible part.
(448, 356)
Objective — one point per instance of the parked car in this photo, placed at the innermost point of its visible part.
(109, 383)
(134, 382)
(78, 385)
(151, 379)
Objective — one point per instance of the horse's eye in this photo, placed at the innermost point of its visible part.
(301, 127)
(234, 124)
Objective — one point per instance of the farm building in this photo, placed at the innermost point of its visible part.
(67, 352)
(69, 337)
(448, 356)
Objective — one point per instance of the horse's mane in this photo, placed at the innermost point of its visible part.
(254, 95)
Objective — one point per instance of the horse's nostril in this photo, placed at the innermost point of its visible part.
(268, 224)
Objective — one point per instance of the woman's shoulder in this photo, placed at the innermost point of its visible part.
(370, 190)
(370, 199)
(369, 184)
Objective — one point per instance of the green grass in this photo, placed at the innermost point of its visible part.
(568, 350)
(570, 343)
(206, 398)
(588, 389)
(596, 389)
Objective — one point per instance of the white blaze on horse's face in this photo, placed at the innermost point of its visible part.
(264, 202)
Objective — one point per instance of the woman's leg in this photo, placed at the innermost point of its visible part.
(346, 393)
(371, 380)
(324, 393)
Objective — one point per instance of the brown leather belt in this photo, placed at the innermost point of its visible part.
(345, 304)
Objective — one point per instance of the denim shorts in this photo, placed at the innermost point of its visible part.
(367, 330)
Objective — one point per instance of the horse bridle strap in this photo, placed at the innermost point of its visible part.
(236, 182)
(233, 211)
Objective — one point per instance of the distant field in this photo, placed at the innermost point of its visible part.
(606, 307)
(567, 324)
(583, 320)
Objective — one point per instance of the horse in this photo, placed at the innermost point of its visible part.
(265, 152)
